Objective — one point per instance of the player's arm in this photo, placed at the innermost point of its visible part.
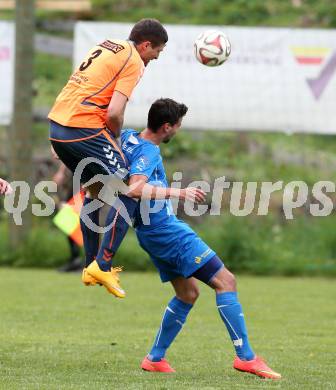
(115, 112)
(139, 188)
(127, 80)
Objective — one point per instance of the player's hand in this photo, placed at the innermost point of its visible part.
(193, 194)
(5, 188)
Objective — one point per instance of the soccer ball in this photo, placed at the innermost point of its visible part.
(212, 48)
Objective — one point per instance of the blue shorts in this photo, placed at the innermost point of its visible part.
(72, 145)
(175, 249)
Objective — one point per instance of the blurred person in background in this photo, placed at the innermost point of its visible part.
(63, 179)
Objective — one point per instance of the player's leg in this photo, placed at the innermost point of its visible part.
(90, 236)
(118, 217)
(223, 282)
(71, 153)
(173, 319)
(109, 161)
(99, 262)
(229, 307)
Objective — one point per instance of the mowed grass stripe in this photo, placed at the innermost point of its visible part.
(57, 334)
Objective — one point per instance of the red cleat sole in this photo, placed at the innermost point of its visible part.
(161, 366)
(256, 367)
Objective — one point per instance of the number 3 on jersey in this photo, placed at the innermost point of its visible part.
(84, 65)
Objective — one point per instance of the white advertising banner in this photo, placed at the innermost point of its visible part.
(276, 79)
(6, 71)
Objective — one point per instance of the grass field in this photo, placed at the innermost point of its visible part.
(57, 334)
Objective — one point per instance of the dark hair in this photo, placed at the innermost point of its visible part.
(149, 30)
(165, 111)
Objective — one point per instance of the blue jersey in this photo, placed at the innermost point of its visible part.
(145, 159)
(175, 249)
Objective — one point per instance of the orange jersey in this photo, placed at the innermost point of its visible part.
(109, 66)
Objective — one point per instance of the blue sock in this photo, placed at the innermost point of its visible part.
(113, 238)
(173, 319)
(90, 238)
(232, 315)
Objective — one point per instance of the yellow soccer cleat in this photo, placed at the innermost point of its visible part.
(110, 279)
(87, 279)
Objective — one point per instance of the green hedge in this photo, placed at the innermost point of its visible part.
(256, 245)
(261, 245)
(311, 13)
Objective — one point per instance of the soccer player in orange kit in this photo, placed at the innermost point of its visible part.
(85, 121)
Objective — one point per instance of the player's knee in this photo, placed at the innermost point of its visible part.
(194, 294)
(190, 296)
(224, 281)
(230, 281)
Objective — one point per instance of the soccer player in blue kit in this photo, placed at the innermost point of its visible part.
(180, 256)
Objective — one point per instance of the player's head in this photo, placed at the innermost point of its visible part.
(149, 37)
(165, 118)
